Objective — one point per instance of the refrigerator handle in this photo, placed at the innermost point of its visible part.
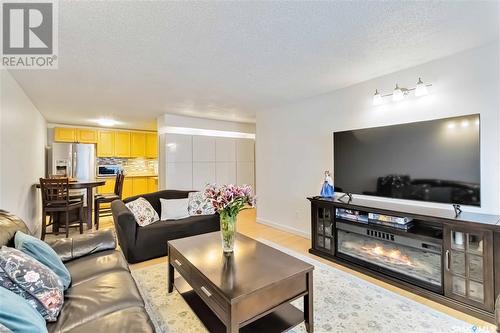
(74, 162)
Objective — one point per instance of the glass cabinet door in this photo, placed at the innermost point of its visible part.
(324, 229)
(467, 256)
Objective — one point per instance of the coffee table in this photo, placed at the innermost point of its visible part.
(248, 291)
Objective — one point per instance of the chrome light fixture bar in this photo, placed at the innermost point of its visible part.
(399, 93)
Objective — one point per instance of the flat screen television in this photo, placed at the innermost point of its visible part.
(435, 161)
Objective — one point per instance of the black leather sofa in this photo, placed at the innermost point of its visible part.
(144, 243)
(103, 296)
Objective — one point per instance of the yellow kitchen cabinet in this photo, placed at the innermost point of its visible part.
(122, 144)
(105, 143)
(128, 187)
(152, 184)
(64, 134)
(109, 187)
(85, 135)
(151, 145)
(140, 185)
(137, 144)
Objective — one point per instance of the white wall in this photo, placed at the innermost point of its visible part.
(23, 136)
(294, 142)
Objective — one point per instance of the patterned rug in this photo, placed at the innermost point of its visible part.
(342, 303)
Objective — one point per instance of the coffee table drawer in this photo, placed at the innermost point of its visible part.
(211, 297)
(180, 264)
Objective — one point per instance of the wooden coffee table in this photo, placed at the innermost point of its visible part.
(250, 290)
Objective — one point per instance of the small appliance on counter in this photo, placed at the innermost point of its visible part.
(110, 170)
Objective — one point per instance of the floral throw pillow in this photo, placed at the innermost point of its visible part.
(143, 212)
(33, 281)
(199, 204)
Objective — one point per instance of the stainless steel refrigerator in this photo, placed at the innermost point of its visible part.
(74, 160)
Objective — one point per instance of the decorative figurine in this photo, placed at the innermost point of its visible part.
(327, 190)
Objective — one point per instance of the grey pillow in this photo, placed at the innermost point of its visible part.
(33, 281)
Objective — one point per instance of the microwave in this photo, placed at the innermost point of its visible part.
(108, 170)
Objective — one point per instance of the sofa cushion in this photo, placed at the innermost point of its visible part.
(95, 298)
(43, 253)
(129, 320)
(174, 209)
(96, 264)
(199, 204)
(33, 281)
(17, 315)
(143, 212)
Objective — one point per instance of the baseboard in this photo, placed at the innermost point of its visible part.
(289, 229)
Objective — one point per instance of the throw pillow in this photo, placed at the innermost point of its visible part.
(16, 315)
(174, 209)
(143, 212)
(42, 252)
(199, 204)
(33, 281)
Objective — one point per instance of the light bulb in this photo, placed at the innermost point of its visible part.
(398, 94)
(421, 89)
(107, 122)
(377, 98)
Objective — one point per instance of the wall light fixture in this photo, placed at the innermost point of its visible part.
(399, 93)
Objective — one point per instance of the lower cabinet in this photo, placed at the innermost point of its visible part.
(468, 275)
(323, 226)
(140, 185)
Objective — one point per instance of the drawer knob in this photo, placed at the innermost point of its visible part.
(177, 262)
(206, 291)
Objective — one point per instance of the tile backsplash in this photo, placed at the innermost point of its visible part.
(132, 166)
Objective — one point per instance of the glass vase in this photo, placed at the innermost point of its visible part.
(227, 231)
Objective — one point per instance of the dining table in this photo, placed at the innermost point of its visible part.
(88, 185)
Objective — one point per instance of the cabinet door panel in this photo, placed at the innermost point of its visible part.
(152, 184)
(225, 173)
(203, 149)
(203, 174)
(106, 144)
(137, 144)
(128, 188)
(87, 135)
(179, 148)
(245, 150)
(140, 185)
(122, 144)
(64, 134)
(225, 150)
(179, 176)
(151, 145)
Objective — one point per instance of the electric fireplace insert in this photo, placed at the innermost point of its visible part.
(407, 258)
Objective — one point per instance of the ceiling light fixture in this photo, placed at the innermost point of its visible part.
(107, 122)
(399, 93)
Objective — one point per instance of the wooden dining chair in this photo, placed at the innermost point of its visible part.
(107, 198)
(56, 201)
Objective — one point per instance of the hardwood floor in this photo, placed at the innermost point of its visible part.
(247, 225)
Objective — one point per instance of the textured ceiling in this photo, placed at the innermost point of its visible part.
(226, 60)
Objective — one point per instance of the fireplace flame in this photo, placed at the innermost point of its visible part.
(394, 256)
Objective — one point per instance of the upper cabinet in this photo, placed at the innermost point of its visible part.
(137, 144)
(65, 134)
(122, 144)
(106, 143)
(151, 145)
(112, 143)
(85, 135)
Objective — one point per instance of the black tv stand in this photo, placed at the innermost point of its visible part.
(448, 243)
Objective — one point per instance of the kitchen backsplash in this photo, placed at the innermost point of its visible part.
(132, 166)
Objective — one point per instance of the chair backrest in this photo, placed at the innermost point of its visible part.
(54, 190)
(119, 184)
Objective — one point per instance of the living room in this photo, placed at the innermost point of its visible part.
(250, 166)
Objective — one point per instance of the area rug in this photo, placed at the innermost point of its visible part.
(342, 303)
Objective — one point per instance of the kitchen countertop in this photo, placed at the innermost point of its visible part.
(129, 176)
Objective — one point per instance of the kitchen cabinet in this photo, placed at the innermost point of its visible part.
(468, 272)
(140, 185)
(122, 144)
(151, 145)
(105, 143)
(152, 184)
(137, 144)
(64, 134)
(109, 187)
(85, 135)
(128, 187)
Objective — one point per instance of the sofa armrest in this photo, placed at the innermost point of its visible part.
(125, 225)
(83, 245)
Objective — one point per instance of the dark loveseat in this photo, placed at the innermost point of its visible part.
(103, 296)
(143, 243)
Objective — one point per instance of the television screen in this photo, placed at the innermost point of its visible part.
(435, 161)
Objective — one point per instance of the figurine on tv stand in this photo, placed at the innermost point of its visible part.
(327, 190)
